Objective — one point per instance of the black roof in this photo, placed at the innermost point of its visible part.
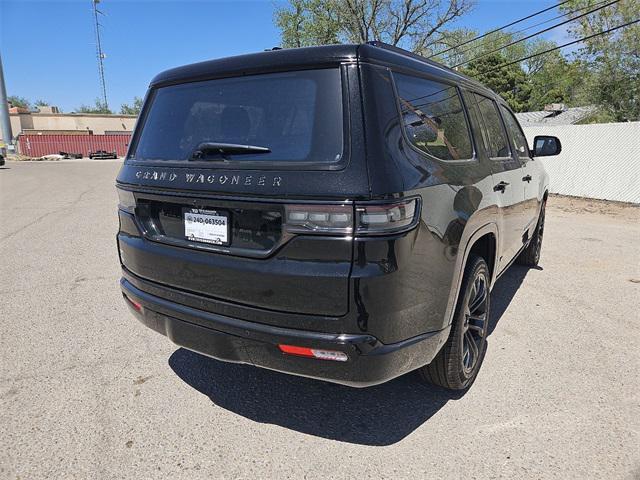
(309, 57)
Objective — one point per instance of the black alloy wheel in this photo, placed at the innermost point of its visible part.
(475, 323)
(458, 362)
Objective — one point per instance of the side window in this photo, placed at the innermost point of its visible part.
(496, 136)
(479, 133)
(434, 118)
(518, 140)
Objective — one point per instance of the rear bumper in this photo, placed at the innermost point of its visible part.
(229, 339)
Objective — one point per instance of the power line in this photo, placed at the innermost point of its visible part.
(525, 29)
(501, 28)
(536, 33)
(604, 32)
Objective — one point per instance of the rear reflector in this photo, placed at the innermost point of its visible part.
(135, 305)
(334, 355)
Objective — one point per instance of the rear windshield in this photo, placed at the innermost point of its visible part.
(296, 115)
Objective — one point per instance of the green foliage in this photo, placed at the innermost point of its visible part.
(613, 59)
(510, 82)
(41, 103)
(413, 23)
(491, 44)
(530, 85)
(133, 109)
(308, 22)
(20, 102)
(559, 81)
(98, 107)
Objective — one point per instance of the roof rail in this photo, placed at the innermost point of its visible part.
(402, 51)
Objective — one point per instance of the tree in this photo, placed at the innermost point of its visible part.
(98, 107)
(308, 22)
(450, 42)
(532, 83)
(510, 82)
(559, 80)
(613, 59)
(412, 23)
(19, 102)
(133, 109)
(41, 103)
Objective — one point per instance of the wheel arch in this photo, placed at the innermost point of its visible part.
(484, 242)
(486, 247)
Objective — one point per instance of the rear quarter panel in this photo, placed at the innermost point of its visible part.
(457, 202)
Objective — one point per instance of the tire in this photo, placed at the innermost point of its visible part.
(530, 256)
(458, 362)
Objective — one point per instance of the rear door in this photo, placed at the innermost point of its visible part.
(531, 174)
(507, 177)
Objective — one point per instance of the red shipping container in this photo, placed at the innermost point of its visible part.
(34, 145)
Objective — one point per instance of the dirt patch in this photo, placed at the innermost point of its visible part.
(581, 205)
(15, 157)
(140, 380)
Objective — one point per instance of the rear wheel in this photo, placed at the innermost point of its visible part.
(457, 364)
(531, 255)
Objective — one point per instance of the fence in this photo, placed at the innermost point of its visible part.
(597, 161)
(39, 145)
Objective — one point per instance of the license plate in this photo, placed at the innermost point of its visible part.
(207, 226)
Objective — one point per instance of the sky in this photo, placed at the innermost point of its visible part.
(48, 47)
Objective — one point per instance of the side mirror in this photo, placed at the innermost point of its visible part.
(546, 146)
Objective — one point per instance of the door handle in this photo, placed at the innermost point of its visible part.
(500, 187)
(527, 178)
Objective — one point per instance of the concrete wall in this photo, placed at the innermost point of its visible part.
(597, 161)
(67, 121)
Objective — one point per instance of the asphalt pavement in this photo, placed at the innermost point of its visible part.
(88, 392)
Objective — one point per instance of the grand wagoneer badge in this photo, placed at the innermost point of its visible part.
(211, 179)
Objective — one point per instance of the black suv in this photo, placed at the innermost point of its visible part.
(336, 212)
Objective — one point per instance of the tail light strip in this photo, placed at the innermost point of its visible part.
(346, 219)
(361, 219)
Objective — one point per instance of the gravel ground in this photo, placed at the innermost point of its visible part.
(88, 392)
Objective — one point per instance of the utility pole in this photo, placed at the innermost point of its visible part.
(5, 121)
(99, 53)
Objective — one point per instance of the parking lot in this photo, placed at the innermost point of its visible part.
(88, 392)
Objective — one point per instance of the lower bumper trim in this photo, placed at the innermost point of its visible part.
(370, 362)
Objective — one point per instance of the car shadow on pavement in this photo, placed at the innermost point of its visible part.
(504, 290)
(379, 415)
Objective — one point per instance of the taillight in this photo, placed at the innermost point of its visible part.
(385, 217)
(329, 219)
(335, 355)
(126, 200)
(370, 219)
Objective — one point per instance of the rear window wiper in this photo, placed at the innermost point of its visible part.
(225, 149)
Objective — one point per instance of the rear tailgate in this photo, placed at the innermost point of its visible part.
(214, 224)
(260, 267)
